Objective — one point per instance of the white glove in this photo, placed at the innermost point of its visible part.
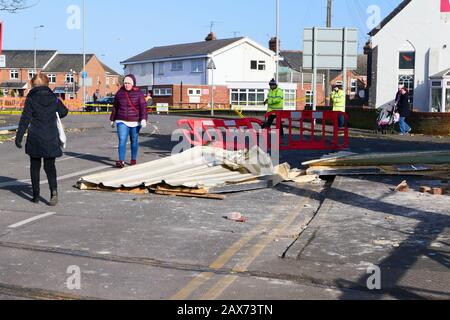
(144, 124)
(113, 124)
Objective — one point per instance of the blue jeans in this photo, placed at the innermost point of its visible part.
(341, 121)
(123, 133)
(404, 127)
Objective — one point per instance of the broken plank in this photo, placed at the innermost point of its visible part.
(190, 195)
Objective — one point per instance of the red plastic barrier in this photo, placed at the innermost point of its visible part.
(312, 130)
(227, 134)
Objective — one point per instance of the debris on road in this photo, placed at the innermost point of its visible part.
(236, 216)
(402, 187)
(201, 172)
(430, 163)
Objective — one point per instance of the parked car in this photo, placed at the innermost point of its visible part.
(104, 104)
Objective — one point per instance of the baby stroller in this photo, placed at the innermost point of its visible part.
(386, 120)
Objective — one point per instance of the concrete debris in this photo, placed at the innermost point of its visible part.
(236, 216)
(402, 187)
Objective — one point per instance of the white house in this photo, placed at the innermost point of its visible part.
(410, 47)
(242, 66)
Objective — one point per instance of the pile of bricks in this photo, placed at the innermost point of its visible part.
(437, 191)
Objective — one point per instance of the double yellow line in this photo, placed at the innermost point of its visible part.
(242, 266)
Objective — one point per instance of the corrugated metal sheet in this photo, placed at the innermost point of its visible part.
(200, 167)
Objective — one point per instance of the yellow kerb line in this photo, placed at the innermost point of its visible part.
(184, 293)
(243, 265)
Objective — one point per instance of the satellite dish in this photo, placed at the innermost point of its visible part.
(362, 94)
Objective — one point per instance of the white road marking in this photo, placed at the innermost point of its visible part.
(68, 176)
(24, 222)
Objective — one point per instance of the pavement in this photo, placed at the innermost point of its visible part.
(300, 242)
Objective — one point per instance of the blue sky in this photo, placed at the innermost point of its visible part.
(117, 30)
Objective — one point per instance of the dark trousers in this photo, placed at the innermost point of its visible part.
(50, 170)
(269, 123)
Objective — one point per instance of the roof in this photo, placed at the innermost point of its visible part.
(442, 74)
(67, 62)
(391, 16)
(25, 58)
(109, 70)
(294, 60)
(182, 50)
(13, 85)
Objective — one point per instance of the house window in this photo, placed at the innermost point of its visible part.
(161, 68)
(52, 78)
(194, 92)
(309, 95)
(162, 92)
(14, 74)
(143, 70)
(177, 66)
(257, 65)
(197, 66)
(107, 80)
(407, 81)
(31, 74)
(69, 78)
(248, 97)
(407, 60)
(354, 86)
(290, 98)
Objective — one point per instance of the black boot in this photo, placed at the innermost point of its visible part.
(35, 197)
(54, 198)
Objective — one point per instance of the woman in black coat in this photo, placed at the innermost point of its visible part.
(404, 110)
(39, 118)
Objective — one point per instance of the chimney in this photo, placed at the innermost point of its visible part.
(211, 37)
(273, 44)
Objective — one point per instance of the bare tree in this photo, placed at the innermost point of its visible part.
(13, 6)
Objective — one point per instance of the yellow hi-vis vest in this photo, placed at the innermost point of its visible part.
(275, 100)
(338, 101)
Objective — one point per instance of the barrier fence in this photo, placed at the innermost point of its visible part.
(306, 130)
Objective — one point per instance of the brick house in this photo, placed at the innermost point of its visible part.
(63, 70)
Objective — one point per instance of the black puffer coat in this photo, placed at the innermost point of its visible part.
(403, 106)
(39, 117)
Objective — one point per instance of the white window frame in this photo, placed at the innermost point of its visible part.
(197, 66)
(260, 65)
(52, 78)
(162, 92)
(260, 95)
(354, 86)
(31, 74)
(14, 74)
(194, 92)
(161, 68)
(177, 66)
(290, 98)
(70, 78)
(309, 97)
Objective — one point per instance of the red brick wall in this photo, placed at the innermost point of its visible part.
(301, 95)
(180, 97)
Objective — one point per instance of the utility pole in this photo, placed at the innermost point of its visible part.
(327, 75)
(84, 75)
(278, 39)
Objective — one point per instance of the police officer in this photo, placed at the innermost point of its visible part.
(275, 102)
(338, 102)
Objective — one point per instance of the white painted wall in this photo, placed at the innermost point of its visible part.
(233, 65)
(142, 72)
(419, 25)
(176, 77)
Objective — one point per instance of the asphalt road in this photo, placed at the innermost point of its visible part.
(314, 241)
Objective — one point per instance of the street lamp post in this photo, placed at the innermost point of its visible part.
(278, 39)
(84, 76)
(35, 49)
(212, 67)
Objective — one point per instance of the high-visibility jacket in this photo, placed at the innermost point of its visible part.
(275, 99)
(338, 100)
